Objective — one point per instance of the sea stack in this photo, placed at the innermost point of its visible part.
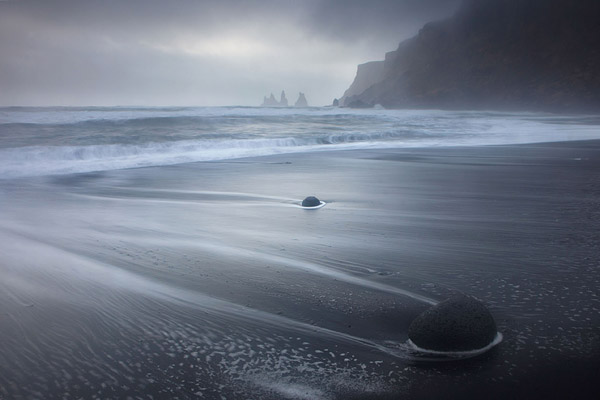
(311, 201)
(460, 323)
(301, 102)
(284, 101)
(271, 101)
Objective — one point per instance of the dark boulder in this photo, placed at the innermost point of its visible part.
(310, 201)
(460, 323)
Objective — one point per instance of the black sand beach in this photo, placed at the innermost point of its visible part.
(207, 280)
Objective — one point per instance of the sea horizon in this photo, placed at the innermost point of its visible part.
(84, 139)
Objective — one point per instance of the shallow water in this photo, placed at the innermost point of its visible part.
(208, 280)
(61, 140)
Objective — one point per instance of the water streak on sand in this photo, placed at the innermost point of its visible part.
(297, 264)
(58, 264)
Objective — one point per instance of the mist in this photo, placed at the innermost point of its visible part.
(204, 53)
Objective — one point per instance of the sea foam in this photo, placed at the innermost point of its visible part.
(42, 141)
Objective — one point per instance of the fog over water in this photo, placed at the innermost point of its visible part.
(65, 52)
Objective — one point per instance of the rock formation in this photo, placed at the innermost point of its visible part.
(301, 102)
(494, 54)
(367, 74)
(283, 102)
(271, 101)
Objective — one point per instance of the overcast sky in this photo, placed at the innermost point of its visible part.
(194, 52)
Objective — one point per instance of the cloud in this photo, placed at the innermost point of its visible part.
(195, 52)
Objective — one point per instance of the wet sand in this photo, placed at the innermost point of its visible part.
(207, 279)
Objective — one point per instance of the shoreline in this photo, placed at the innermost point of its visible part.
(109, 256)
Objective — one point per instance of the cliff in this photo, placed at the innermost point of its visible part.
(496, 54)
(367, 74)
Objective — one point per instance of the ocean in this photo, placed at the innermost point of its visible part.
(163, 252)
(62, 140)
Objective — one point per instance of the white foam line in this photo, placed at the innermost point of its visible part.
(322, 204)
(283, 202)
(206, 192)
(457, 354)
(199, 203)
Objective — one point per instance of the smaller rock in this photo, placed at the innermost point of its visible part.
(301, 102)
(460, 323)
(311, 201)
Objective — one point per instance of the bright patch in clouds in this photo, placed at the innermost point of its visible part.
(225, 47)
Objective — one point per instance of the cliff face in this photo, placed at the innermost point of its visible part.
(367, 74)
(497, 54)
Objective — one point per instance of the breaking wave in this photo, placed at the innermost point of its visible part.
(47, 160)
(42, 141)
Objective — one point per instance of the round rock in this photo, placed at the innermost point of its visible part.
(460, 323)
(310, 201)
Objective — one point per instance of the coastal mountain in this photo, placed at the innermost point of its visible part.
(493, 54)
